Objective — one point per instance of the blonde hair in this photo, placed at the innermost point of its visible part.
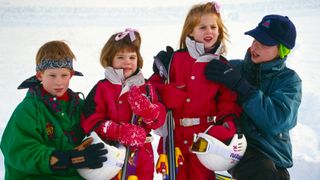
(54, 50)
(193, 19)
(113, 46)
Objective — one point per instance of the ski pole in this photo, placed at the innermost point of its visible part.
(125, 165)
(170, 122)
(171, 148)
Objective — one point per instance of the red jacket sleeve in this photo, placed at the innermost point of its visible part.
(94, 109)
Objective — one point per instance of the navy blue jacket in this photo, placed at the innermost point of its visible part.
(272, 110)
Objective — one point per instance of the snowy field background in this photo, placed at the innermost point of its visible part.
(86, 25)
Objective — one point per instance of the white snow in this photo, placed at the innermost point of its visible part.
(87, 24)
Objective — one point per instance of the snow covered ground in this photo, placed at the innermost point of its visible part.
(27, 24)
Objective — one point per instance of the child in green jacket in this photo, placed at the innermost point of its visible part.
(43, 137)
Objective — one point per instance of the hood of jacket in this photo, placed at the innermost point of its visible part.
(197, 51)
(254, 73)
(115, 76)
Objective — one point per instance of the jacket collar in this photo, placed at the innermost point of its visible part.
(267, 69)
(115, 76)
(52, 102)
(197, 51)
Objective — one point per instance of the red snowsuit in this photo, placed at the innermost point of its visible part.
(107, 101)
(204, 101)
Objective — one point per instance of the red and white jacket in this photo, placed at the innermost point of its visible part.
(205, 103)
(108, 99)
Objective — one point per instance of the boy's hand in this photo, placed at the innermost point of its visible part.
(221, 72)
(224, 73)
(84, 156)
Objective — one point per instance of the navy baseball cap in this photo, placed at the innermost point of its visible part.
(274, 30)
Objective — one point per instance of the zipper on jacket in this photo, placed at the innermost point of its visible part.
(258, 76)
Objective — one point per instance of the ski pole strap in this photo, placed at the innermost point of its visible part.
(237, 123)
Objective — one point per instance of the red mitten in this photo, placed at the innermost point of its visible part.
(142, 106)
(126, 134)
(225, 131)
(159, 121)
(173, 95)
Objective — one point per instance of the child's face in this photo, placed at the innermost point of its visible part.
(127, 61)
(55, 80)
(261, 53)
(207, 31)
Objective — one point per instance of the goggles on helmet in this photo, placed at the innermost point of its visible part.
(216, 155)
(203, 144)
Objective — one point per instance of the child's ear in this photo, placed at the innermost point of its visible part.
(72, 73)
(39, 75)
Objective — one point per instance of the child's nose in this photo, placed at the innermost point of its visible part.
(208, 30)
(254, 45)
(59, 80)
(127, 61)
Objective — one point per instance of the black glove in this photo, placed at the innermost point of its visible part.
(164, 57)
(224, 73)
(91, 157)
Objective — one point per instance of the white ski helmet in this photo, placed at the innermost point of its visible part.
(214, 154)
(111, 167)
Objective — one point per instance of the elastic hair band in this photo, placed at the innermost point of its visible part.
(123, 34)
(217, 6)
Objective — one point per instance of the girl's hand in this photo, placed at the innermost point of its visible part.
(127, 134)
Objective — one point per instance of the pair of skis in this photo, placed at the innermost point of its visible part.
(170, 126)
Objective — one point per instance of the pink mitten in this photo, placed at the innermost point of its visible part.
(126, 134)
(142, 106)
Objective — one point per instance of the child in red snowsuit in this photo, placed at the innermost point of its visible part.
(197, 103)
(110, 105)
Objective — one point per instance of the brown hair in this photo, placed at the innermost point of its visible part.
(193, 19)
(54, 50)
(113, 46)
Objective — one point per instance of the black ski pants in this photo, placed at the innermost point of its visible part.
(256, 166)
